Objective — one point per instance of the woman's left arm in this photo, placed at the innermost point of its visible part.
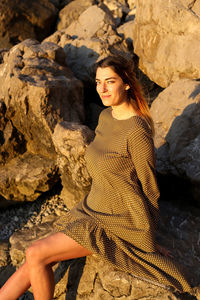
(141, 148)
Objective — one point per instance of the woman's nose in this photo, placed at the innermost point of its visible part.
(102, 88)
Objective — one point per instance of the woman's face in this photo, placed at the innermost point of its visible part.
(110, 87)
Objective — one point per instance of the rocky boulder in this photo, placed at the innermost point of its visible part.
(72, 11)
(126, 30)
(92, 22)
(176, 113)
(117, 8)
(20, 20)
(166, 39)
(91, 37)
(26, 177)
(70, 141)
(37, 92)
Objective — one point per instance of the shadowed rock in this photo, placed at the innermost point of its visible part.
(91, 37)
(176, 113)
(20, 20)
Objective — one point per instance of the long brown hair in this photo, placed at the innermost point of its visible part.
(125, 69)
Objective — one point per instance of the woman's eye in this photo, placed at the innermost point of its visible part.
(110, 81)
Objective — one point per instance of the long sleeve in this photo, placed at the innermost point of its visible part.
(141, 148)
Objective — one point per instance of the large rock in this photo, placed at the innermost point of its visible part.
(37, 91)
(176, 113)
(92, 22)
(26, 177)
(20, 20)
(127, 31)
(166, 39)
(72, 11)
(117, 8)
(70, 141)
(91, 37)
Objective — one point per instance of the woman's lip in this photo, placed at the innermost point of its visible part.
(105, 96)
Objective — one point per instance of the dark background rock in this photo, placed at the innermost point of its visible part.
(25, 19)
(176, 113)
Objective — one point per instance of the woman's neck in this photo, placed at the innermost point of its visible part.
(123, 111)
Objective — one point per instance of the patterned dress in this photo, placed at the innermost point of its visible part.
(118, 218)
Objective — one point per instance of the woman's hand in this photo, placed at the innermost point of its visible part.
(163, 251)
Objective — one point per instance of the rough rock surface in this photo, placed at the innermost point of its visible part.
(166, 39)
(91, 37)
(131, 4)
(127, 31)
(26, 177)
(194, 6)
(117, 8)
(131, 15)
(37, 91)
(72, 11)
(20, 20)
(4, 249)
(70, 141)
(176, 113)
(11, 140)
(92, 22)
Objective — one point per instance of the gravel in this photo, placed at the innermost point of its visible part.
(29, 214)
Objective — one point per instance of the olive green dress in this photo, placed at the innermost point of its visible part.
(118, 218)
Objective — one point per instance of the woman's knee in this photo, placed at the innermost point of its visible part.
(35, 253)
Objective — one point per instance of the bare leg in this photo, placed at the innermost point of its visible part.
(37, 270)
(13, 287)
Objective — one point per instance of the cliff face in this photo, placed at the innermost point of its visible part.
(49, 108)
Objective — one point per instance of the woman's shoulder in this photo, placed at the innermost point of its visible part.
(105, 113)
(139, 126)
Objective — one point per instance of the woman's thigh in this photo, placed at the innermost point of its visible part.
(56, 247)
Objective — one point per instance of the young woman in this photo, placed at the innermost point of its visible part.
(118, 218)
